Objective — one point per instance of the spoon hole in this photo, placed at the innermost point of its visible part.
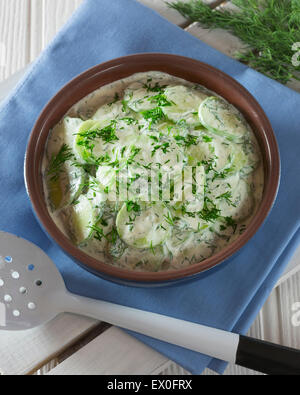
(7, 298)
(15, 275)
(31, 306)
(16, 313)
(23, 290)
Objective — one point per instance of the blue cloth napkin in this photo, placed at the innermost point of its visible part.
(228, 297)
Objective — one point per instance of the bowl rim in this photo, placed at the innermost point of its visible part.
(39, 204)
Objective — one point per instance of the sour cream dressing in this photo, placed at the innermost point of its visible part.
(152, 120)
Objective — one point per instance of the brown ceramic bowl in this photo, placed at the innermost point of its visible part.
(117, 69)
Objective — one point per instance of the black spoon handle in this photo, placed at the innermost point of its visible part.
(268, 358)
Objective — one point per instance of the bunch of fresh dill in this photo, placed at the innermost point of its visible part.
(268, 27)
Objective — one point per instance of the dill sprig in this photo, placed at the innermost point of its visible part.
(269, 28)
(57, 161)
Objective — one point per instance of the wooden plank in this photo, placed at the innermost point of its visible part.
(219, 39)
(47, 18)
(288, 296)
(24, 352)
(294, 84)
(114, 352)
(14, 16)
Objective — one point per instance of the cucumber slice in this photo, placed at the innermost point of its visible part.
(218, 187)
(166, 128)
(107, 178)
(92, 148)
(82, 217)
(222, 118)
(64, 133)
(86, 213)
(252, 153)
(96, 194)
(185, 104)
(138, 98)
(239, 160)
(227, 157)
(146, 227)
(86, 147)
(65, 189)
(182, 237)
(70, 127)
(214, 149)
(160, 150)
(107, 113)
(55, 194)
(239, 205)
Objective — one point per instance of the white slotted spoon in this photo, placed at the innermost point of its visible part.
(32, 292)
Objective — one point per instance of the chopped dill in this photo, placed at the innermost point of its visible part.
(116, 98)
(133, 206)
(155, 115)
(186, 141)
(207, 139)
(169, 219)
(107, 134)
(57, 161)
(151, 248)
(134, 151)
(231, 222)
(209, 213)
(227, 196)
(98, 234)
(160, 100)
(129, 121)
(154, 88)
(164, 147)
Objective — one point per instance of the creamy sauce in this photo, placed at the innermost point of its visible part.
(99, 158)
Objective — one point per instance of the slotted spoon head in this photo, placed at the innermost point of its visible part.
(30, 285)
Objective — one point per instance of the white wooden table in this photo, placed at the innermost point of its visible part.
(72, 345)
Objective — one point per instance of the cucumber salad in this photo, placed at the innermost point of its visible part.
(152, 173)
